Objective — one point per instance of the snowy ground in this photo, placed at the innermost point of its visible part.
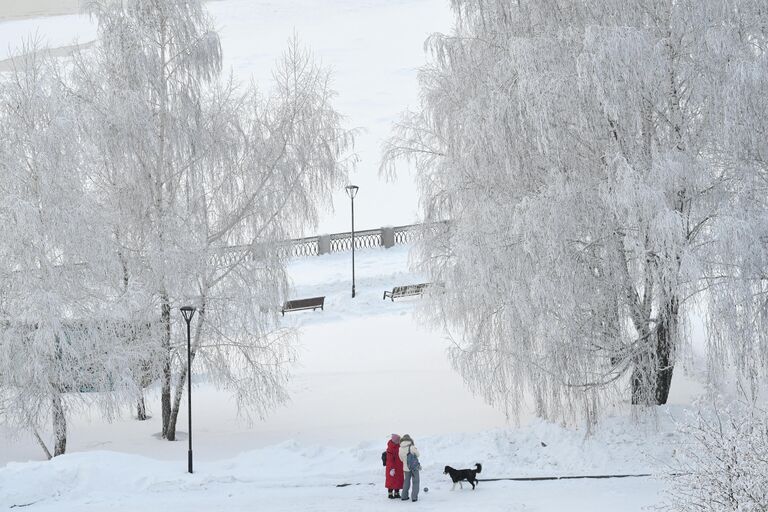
(367, 368)
(291, 477)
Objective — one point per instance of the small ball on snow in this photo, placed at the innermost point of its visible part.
(426, 489)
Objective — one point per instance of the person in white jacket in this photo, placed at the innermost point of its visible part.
(411, 474)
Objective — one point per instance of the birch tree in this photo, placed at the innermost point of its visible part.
(204, 179)
(62, 330)
(152, 61)
(268, 166)
(577, 150)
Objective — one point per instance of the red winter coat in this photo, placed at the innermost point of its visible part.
(393, 462)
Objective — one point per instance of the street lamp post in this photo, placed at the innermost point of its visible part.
(188, 312)
(352, 192)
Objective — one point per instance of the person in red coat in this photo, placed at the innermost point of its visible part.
(394, 475)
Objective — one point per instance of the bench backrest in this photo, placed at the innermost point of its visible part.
(304, 303)
(408, 289)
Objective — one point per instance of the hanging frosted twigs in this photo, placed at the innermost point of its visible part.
(600, 166)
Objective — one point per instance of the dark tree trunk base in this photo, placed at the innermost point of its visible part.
(652, 377)
(141, 409)
(59, 426)
(165, 396)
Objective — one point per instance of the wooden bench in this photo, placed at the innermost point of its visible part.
(299, 304)
(405, 291)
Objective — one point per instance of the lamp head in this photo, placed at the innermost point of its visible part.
(188, 312)
(351, 190)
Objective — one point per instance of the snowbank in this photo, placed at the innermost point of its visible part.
(292, 475)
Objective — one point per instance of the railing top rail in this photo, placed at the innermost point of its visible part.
(347, 234)
(309, 239)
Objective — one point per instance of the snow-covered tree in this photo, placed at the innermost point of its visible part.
(736, 284)
(152, 62)
(62, 329)
(267, 167)
(191, 167)
(721, 463)
(578, 151)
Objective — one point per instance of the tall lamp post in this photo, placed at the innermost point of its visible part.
(352, 192)
(188, 312)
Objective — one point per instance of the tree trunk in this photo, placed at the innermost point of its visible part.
(141, 408)
(59, 426)
(176, 403)
(165, 393)
(41, 443)
(665, 350)
(651, 378)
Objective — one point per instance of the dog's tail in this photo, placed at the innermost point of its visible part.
(479, 467)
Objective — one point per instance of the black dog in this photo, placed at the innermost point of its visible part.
(457, 475)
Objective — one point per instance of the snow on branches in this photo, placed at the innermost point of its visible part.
(583, 154)
(64, 327)
(200, 166)
(722, 463)
(138, 180)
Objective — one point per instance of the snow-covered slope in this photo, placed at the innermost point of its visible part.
(292, 476)
(367, 367)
